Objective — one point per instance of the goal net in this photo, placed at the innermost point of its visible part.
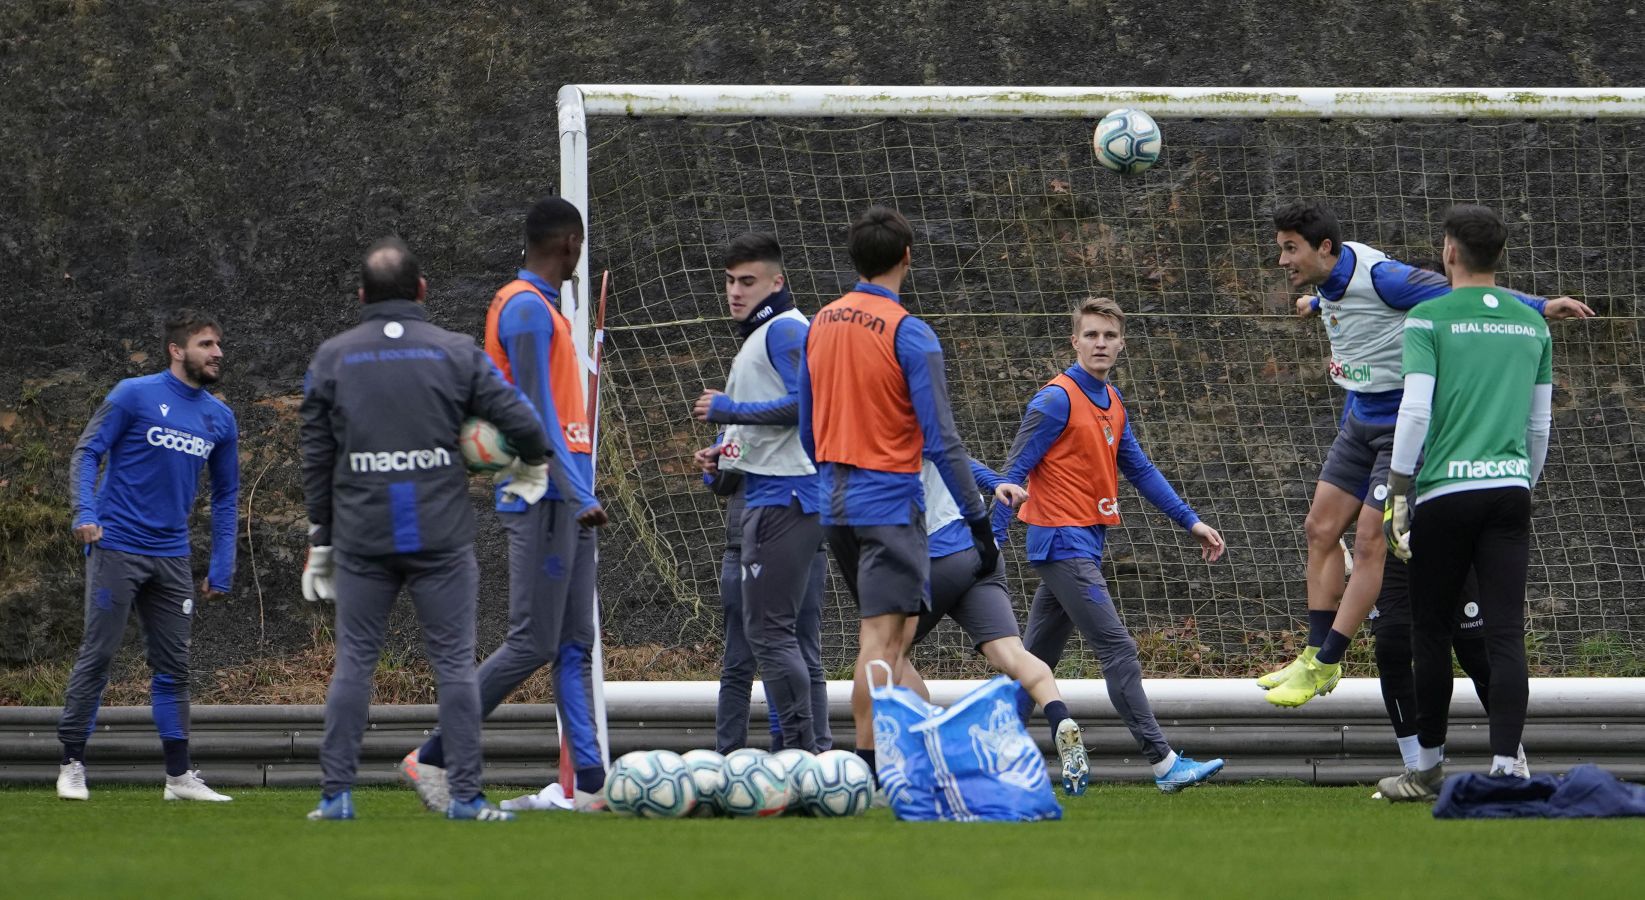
(1015, 222)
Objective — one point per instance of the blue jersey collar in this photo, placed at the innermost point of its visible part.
(1094, 387)
(549, 290)
(1336, 283)
(887, 293)
(179, 386)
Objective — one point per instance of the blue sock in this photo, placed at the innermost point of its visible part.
(176, 756)
(591, 779)
(433, 752)
(1336, 644)
(1055, 712)
(1319, 625)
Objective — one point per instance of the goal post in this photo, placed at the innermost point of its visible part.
(1015, 222)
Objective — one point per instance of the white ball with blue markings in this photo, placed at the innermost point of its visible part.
(653, 784)
(707, 770)
(838, 783)
(1127, 141)
(795, 763)
(756, 785)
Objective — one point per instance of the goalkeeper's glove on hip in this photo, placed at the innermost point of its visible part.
(527, 482)
(1396, 516)
(982, 535)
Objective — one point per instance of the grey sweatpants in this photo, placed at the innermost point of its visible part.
(161, 589)
(779, 546)
(737, 671)
(444, 586)
(1072, 593)
(551, 563)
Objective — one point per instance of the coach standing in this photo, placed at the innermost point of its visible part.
(387, 492)
(153, 435)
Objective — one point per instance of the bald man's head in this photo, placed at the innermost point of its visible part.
(389, 272)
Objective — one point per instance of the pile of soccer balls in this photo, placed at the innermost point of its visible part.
(662, 784)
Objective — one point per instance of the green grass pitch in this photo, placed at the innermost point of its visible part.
(1266, 841)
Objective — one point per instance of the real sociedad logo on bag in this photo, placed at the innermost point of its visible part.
(889, 761)
(1004, 750)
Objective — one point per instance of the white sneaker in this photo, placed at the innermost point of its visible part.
(430, 782)
(189, 786)
(1522, 766)
(71, 781)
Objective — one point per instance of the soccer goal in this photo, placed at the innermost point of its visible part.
(1228, 390)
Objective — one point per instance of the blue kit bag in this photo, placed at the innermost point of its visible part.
(972, 762)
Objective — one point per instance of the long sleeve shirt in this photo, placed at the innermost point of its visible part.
(527, 332)
(1401, 287)
(785, 346)
(1042, 425)
(862, 497)
(152, 436)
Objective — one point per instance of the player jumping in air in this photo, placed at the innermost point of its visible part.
(153, 435)
(873, 406)
(1063, 478)
(1363, 296)
(981, 605)
(1477, 408)
(551, 545)
(779, 570)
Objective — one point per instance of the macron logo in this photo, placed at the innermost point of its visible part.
(399, 460)
(165, 410)
(1488, 468)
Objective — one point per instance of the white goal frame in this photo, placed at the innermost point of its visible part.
(578, 102)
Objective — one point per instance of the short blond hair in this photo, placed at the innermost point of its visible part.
(1098, 306)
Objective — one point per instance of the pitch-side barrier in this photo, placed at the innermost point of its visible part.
(1340, 739)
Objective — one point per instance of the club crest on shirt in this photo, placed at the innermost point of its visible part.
(1108, 432)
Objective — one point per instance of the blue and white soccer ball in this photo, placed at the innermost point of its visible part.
(653, 784)
(756, 785)
(1127, 141)
(795, 763)
(707, 770)
(837, 783)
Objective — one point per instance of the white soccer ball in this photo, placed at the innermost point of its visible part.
(755, 784)
(795, 763)
(837, 783)
(652, 784)
(707, 770)
(484, 447)
(1127, 141)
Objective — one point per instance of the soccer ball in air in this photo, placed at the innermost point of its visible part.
(653, 784)
(795, 763)
(755, 784)
(707, 770)
(484, 447)
(837, 783)
(1127, 141)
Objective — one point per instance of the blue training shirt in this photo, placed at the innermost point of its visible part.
(1043, 423)
(152, 435)
(1402, 287)
(863, 497)
(526, 331)
(785, 347)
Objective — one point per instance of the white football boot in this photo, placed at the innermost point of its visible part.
(189, 786)
(71, 781)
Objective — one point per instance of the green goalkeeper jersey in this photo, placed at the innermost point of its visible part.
(1486, 351)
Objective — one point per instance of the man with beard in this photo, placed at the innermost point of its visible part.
(152, 435)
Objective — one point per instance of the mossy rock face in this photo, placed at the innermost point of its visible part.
(237, 157)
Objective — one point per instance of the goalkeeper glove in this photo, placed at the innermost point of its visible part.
(317, 575)
(527, 482)
(1396, 516)
(982, 534)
